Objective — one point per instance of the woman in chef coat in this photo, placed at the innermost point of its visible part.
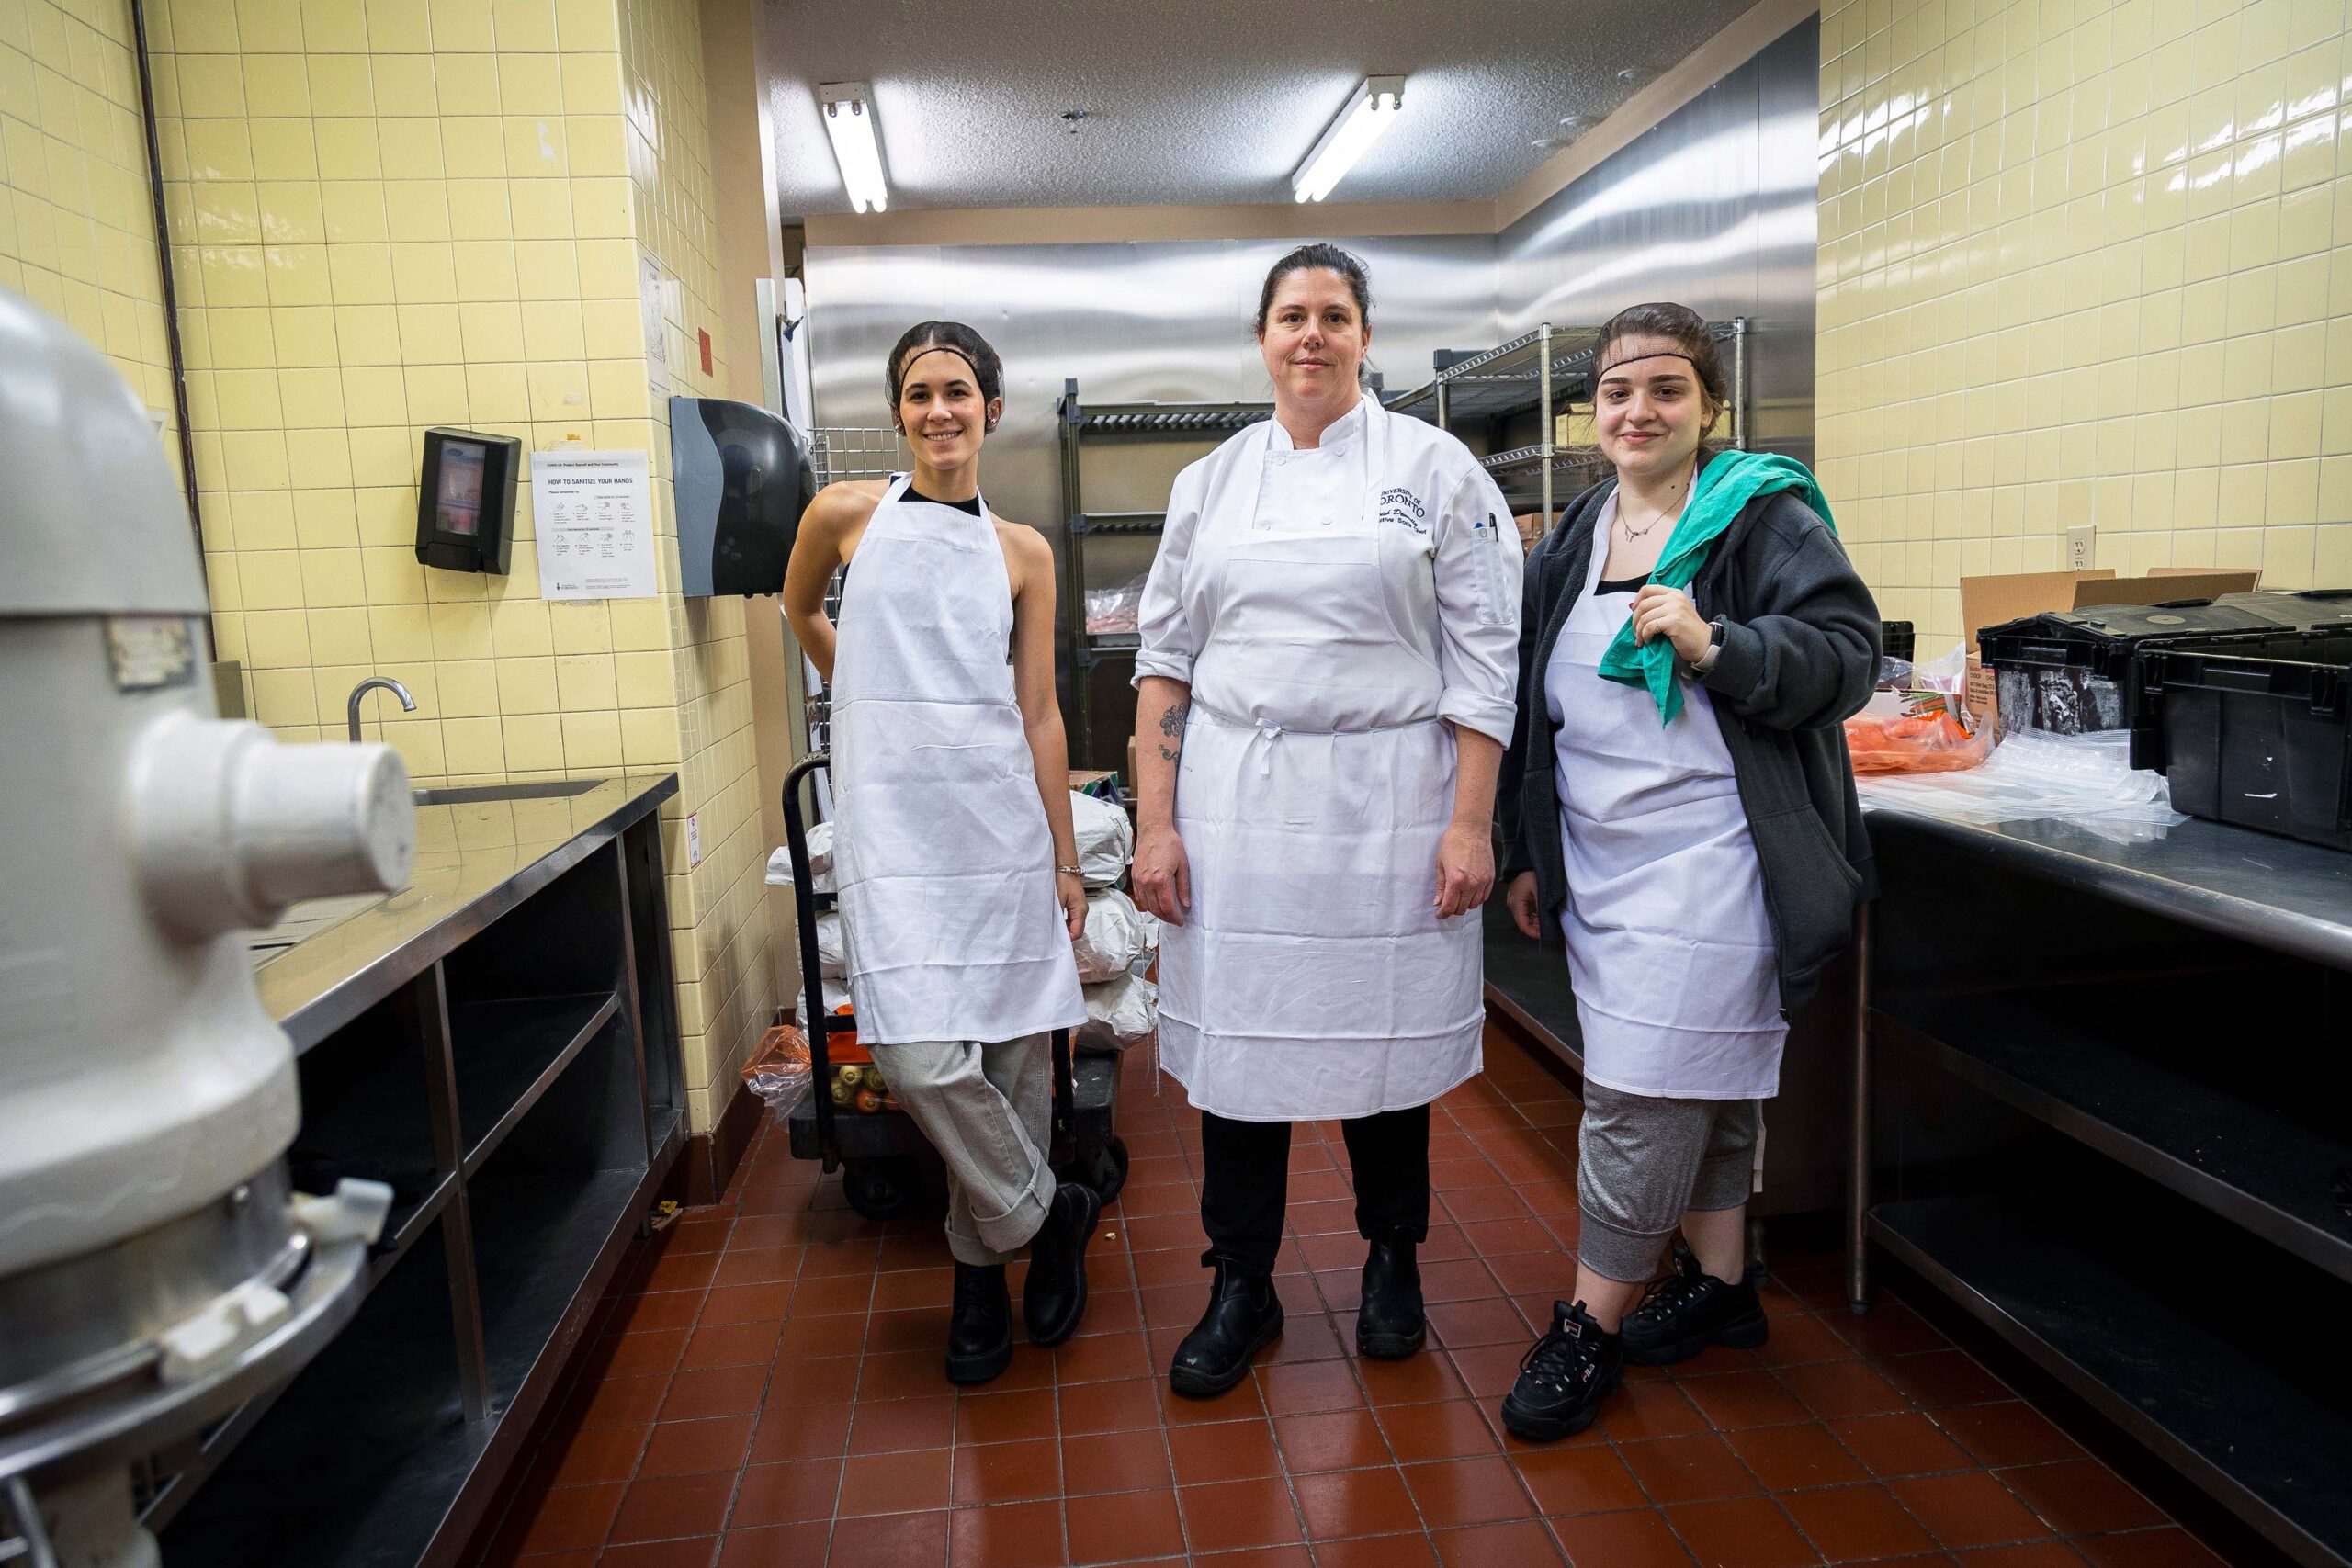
(1328, 637)
(1678, 805)
(951, 844)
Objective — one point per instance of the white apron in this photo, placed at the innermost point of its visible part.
(1311, 978)
(1670, 949)
(940, 841)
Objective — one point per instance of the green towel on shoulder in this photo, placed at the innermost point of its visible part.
(1724, 485)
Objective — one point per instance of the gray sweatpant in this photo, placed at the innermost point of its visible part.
(1642, 1160)
(988, 1107)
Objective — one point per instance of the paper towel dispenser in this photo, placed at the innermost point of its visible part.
(743, 477)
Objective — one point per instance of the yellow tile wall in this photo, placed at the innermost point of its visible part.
(393, 214)
(2084, 262)
(77, 224)
(722, 932)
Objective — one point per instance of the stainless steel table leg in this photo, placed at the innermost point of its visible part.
(1857, 1167)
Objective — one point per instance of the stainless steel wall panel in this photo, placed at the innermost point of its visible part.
(1714, 208)
(1133, 322)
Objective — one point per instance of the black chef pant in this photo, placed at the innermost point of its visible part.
(1245, 1181)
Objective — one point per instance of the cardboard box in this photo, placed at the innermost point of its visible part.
(1530, 528)
(2164, 589)
(1575, 427)
(2011, 596)
(1982, 696)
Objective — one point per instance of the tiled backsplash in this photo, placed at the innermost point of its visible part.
(2084, 262)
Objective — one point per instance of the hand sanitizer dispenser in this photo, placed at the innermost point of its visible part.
(464, 500)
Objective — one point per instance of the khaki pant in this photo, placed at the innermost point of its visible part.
(989, 1110)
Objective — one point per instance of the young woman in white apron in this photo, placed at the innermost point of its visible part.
(1692, 875)
(952, 843)
(1325, 686)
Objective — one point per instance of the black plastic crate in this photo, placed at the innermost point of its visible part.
(2077, 671)
(2257, 730)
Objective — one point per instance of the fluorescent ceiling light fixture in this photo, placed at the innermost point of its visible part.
(857, 148)
(1371, 112)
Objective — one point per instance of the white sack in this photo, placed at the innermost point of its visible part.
(820, 861)
(1117, 937)
(1118, 1013)
(832, 954)
(1106, 839)
(836, 999)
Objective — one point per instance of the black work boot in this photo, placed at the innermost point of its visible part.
(1564, 1378)
(1390, 1325)
(979, 1334)
(1054, 1298)
(1244, 1316)
(1689, 1310)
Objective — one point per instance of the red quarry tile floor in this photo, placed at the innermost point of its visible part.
(768, 1392)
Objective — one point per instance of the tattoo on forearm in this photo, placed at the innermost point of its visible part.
(1171, 724)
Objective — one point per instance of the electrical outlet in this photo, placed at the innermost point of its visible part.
(2078, 547)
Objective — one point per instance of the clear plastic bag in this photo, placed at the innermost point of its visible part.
(1112, 610)
(2085, 780)
(779, 1071)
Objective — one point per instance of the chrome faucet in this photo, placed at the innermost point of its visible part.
(374, 682)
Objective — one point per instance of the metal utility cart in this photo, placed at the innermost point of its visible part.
(1483, 396)
(881, 1153)
(1078, 424)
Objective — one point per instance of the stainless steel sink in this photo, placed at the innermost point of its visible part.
(469, 794)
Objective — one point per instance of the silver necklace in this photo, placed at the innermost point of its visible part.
(1647, 528)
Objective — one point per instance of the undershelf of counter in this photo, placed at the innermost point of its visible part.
(1529, 984)
(2101, 1094)
(505, 1056)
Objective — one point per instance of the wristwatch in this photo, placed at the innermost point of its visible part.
(1707, 661)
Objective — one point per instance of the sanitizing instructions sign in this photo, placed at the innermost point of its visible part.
(593, 513)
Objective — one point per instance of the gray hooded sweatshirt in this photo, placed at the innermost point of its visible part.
(1800, 655)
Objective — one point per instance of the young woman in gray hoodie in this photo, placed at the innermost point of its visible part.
(1678, 814)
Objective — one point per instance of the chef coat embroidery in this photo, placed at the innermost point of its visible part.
(1405, 509)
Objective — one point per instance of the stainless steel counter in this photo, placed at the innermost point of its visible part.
(2278, 893)
(2081, 1056)
(475, 861)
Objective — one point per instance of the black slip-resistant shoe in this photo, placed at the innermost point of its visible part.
(1053, 1300)
(1564, 1377)
(1243, 1317)
(979, 1332)
(1689, 1310)
(1391, 1326)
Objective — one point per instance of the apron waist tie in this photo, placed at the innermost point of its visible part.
(1269, 732)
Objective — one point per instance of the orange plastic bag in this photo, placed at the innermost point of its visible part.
(1930, 736)
(779, 1069)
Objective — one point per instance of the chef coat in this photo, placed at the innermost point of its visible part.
(1329, 609)
(945, 862)
(1670, 948)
